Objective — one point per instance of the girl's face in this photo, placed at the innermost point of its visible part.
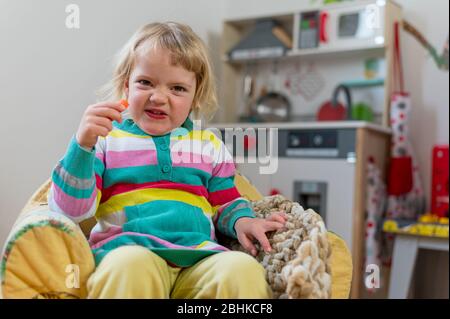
(159, 93)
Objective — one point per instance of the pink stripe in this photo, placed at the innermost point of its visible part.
(225, 169)
(212, 233)
(71, 205)
(159, 240)
(100, 156)
(130, 158)
(190, 157)
(221, 209)
(192, 160)
(216, 247)
(100, 236)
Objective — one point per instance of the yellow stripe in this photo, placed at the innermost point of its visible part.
(99, 196)
(202, 244)
(199, 135)
(119, 134)
(118, 202)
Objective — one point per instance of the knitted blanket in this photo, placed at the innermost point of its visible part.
(299, 264)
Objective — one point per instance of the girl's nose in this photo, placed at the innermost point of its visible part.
(158, 97)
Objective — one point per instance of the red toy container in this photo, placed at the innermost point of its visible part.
(439, 182)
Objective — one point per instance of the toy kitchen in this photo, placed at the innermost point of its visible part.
(321, 78)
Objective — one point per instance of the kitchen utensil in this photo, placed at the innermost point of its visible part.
(272, 105)
(333, 110)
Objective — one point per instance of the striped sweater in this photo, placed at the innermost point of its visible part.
(167, 193)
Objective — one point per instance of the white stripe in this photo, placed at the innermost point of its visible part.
(117, 218)
(130, 144)
(53, 206)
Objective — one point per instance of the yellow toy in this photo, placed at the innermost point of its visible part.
(428, 225)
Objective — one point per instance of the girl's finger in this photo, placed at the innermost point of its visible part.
(271, 225)
(100, 130)
(118, 106)
(247, 244)
(277, 217)
(112, 114)
(101, 121)
(262, 238)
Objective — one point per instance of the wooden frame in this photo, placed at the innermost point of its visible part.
(369, 144)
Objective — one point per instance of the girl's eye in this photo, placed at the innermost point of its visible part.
(144, 82)
(179, 89)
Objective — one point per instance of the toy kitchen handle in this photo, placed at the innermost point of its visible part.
(323, 27)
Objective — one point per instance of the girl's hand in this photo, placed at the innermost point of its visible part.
(97, 121)
(248, 229)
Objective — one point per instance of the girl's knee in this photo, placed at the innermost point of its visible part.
(241, 265)
(128, 259)
(243, 276)
(130, 272)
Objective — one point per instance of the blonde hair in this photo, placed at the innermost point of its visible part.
(187, 50)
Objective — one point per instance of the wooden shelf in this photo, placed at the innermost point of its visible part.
(312, 53)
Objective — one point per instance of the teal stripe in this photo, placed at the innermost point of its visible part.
(189, 175)
(231, 214)
(245, 212)
(188, 224)
(220, 183)
(130, 126)
(99, 167)
(150, 173)
(78, 162)
(134, 175)
(69, 190)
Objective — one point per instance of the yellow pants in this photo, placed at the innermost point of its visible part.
(136, 272)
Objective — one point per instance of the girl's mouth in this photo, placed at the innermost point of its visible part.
(157, 115)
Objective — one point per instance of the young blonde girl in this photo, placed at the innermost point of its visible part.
(159, 188)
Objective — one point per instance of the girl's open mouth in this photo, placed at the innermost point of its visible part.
(158, 115)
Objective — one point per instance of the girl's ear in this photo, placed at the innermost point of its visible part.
(126, 88)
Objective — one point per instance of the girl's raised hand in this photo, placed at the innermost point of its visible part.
(97, 121)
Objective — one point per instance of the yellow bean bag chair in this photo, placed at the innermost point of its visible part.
(47, 255)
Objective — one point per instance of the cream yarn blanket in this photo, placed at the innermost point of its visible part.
(299, 264)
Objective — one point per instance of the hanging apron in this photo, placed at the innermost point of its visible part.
(406, 198)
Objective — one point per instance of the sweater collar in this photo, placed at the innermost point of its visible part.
(128, 125)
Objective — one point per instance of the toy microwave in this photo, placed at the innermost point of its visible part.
(344, 26)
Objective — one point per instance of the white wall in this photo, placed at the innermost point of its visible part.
(49, 74)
